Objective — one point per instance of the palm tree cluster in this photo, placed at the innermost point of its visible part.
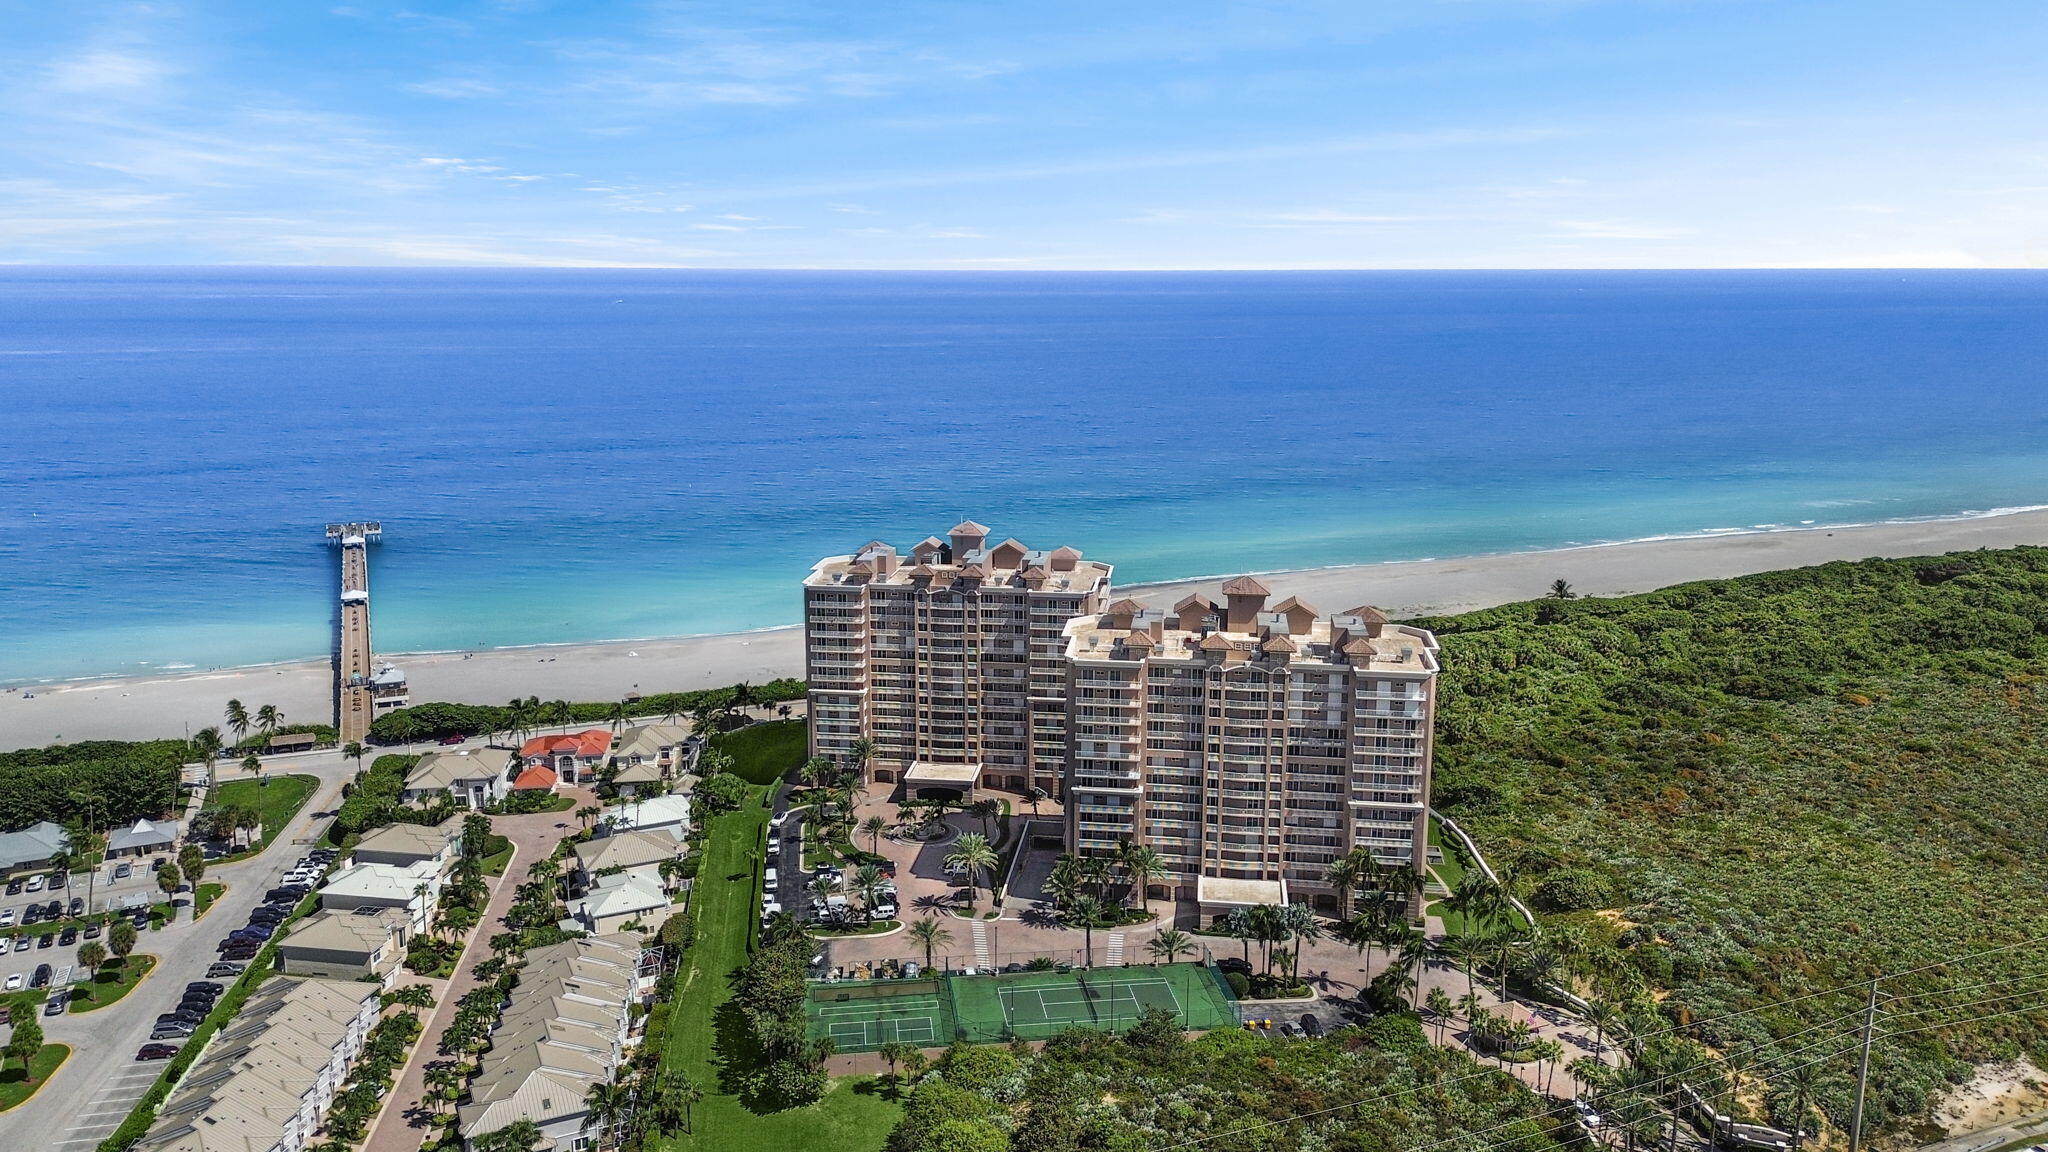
(362, 1097)
(1110, 881)
(266, 720)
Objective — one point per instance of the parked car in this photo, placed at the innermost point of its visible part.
(225, 968)
(54, 1006)
(14, 982)
(57, 880)
(77, 907)
(23, 943)
(34, 915)
(14, 887)
(35, 883)
(1311, 1024)
(92, 930)
(206, 986)
(68, 937)
(156, 864)
(184, 1015)
(123, 870)
(46, 940)
(171, 1030)
(452, 739)
(53, 909)
(42, 977)
(7, 918)
(156, 1052)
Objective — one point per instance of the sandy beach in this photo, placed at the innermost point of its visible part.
(146, 707)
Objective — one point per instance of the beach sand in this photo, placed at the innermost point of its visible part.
(145, 707)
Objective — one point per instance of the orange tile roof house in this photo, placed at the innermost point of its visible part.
(575, 756)
(537, 778)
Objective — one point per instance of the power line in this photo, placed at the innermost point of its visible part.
(1951, 960)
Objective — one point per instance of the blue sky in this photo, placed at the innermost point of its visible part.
(980, 134)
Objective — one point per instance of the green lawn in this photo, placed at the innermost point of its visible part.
(763, 753)
(494, 864)
(853, 1117)
(204, 896)
(111, 982)
(16, 1087)
(276, 798)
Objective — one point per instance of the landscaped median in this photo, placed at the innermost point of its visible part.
(110, 982)
(262, 965)
(275, 800)
(17, 1084)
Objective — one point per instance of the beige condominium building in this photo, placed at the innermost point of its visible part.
(1249, 744)
(949, 659)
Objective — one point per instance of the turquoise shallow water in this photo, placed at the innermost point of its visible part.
(563, 455)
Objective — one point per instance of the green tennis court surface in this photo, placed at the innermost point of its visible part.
(861, 1016)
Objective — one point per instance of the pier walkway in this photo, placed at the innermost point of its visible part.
(353, 706)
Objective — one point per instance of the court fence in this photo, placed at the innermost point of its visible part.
(934, 1010)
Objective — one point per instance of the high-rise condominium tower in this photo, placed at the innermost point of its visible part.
(1250, 747)
(951, 661)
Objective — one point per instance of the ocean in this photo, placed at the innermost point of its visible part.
(563, 456)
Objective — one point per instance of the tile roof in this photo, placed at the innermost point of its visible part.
(585, 745)
(537, 777)
(446, 769)
(1246, 586)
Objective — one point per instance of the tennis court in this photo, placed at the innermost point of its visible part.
(1035, 1005)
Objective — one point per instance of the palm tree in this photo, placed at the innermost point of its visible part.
(269, 718)
(237, 718)
(1601, 1014)
(206, 745)
(867, 880)
(1085, 910)
(824, 887)
(616, 714)
(607, 1102)
(972, 855)
(355, 751)
(859, 753)
(1303, 926)
(1036, 796)
(253, 765)
(1412, 957)
(1803, 1082)
(1347, 874)
(1269, 927)
(518, 1136)
(1143, 864)
(1170, 945)
(1561, 590)
(930, 933)
(1466, 950)
(588, 814)
(1237, 924)
(1439, 1004)
(872, 828)
(987, 811)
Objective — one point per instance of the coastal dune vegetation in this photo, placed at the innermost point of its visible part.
(1729, 796)
(434, 720)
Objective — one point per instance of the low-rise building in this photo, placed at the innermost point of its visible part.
(569, 1026)
(473, 779)
(366, 943)
(575, 756)
(269, 1075)
(641, 853)
(33, 847)
(669, 814)
(142, 838)
(413, 889)
(647, 756)
(620, 900)
(403, 844)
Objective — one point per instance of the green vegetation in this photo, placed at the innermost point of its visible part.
(204, 896)
(763, 753)
(275, 800)
(1152, 1087)
(1747, 791)
(434, 720)
(532, 800)
(706, 1038)
(130, 779)
(18, 1084)
(110, 981)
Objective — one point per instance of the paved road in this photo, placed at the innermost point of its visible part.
(100, 1081)
(402, 1125)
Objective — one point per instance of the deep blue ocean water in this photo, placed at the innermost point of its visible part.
(582, 455)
